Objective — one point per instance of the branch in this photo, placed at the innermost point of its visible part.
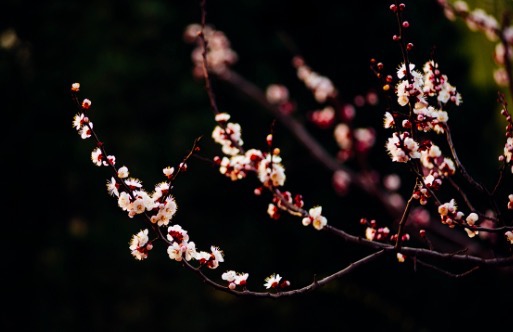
(310, 143)
(314, 285)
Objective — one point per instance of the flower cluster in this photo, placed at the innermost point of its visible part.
(321, 86)
(237, 164)
(284, 201)
(158, 206)
(140, 245)
(219, 54)
(401, 147)
(382, 234)
(235, 279)
(416, 88)
(228, 134)
(507, 156)
(334, 113)
(450, 216)
(421, 101)
(436, 167)
(479, 20)
(315, 218)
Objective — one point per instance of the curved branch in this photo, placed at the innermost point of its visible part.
(310, 143)
(314, 285)
(421, 252)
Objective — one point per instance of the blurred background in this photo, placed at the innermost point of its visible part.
(66, 262)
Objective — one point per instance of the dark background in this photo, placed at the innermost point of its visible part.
(66, 263)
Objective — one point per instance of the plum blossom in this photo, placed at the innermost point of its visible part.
(315, 218)
(402, 148)
(272, 281)
(139, 245)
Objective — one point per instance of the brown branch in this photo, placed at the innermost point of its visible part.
(304, 137)
(459, 165)
(404, 217)
(421, 252)
(452, 275)
(314, 285)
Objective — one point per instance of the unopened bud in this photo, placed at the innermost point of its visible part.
(284, 284)
(269, 139)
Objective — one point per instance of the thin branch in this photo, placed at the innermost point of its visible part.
(459, 165)
(310, 143)
(406, 213)
(421, 252)
(447, 273)
(314, 285)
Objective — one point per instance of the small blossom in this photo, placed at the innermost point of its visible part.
(168, 171)
(75, 87)
(471, 233)
(272, 281)
(133, 183)
(138, 206)
(235, 279)
(139, 245)
(402, 148)
(85, 131)
(218, 253)
(112, 187)
(123, 172)
(79, 120)
(509, 236)
(211, 259)
(241, 278)
(229, 275)
(177, 234)
(388, 121)
(400, 257)
(315, 218)
(222, 117)
(97, 156)
(370, 233)
(175, 251)
(86, 104)
(124, 201)
(271, 174)
(446, 208)
(401, 70)
(508, 149)
(277, 94)
(341, 181)
(392, 182)
(472, 218)
(323, 118)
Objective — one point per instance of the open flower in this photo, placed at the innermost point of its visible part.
(272, 281)
(315, 218)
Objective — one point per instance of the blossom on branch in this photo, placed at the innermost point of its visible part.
(140, 246)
